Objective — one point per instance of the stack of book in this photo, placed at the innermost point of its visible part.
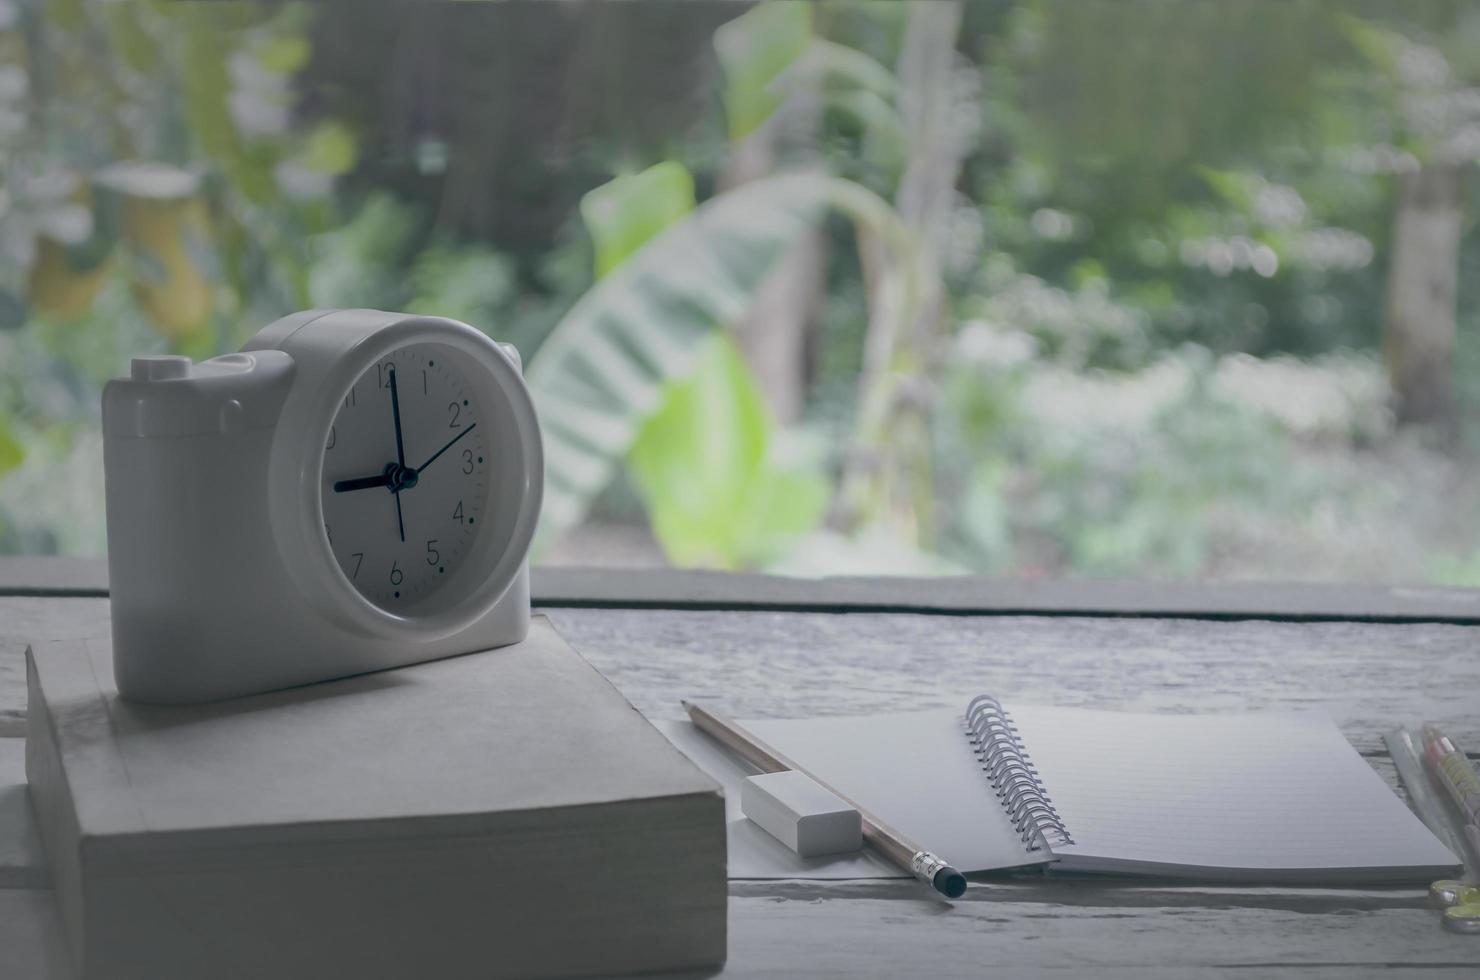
(504, 813)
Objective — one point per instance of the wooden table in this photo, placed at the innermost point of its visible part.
(770, 648)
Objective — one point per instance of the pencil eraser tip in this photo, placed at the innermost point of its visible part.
(801, 813)
(950, 882)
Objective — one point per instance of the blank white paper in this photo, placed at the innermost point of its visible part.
(1269, 792)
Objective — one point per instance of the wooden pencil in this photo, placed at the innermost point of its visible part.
(894, 846)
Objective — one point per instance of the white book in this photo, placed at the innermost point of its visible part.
(504, 813)
(1261, 797)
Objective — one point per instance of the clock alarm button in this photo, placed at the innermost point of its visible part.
(158, 367)
(167, 396)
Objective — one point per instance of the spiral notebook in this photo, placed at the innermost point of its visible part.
(1269, 797)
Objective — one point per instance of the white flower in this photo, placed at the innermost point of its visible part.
(302, 183)
(991, 346)
(70, 224)
(14, 83)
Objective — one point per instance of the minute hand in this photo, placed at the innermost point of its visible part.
(396, 417)
(439, 452)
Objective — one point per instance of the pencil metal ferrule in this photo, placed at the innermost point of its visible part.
(925, 865)
(938, 874)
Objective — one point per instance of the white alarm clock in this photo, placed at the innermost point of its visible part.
(354, 490)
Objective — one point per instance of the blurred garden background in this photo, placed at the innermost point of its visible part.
(1035, 288)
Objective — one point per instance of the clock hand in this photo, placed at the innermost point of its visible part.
(364, 482)
(396, 415)
(446, 447)
(395, 478)
(400, 452)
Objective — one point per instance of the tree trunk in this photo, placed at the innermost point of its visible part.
(1418, 339)
(773, 333)
(886, 476)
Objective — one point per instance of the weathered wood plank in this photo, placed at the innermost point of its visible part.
(24, 619)
(995, 936)
(972, 594)
(50, 575)
(798, 934)
(12, 690)
(1091, 891)
(1369, 677)
(22, 862)
(665, 588)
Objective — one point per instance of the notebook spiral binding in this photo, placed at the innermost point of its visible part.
(1014, 779)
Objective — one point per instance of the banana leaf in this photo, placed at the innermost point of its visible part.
(601, 373)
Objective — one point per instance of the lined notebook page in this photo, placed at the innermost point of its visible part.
(1249, 791)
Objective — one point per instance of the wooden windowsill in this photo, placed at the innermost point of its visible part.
(960, 595)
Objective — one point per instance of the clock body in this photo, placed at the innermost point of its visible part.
(355, 490)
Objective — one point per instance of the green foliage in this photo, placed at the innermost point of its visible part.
(330, 149)
(623, 214)
(173, 130)
(472, 284)
(1158, 513)
(1154, 184)
(359, 263)
(386, 257)
(1135, 92)
(603, 369)
(755, 50)
(830, 65)
(285, 54)
(706, 468)
(1105, 498)
(207, 106)
(703, 460)
(11, 452)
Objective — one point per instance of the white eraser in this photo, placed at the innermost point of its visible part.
(802, 814)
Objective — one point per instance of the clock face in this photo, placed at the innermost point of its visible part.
(406, 475)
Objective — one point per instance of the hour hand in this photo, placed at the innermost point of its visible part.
(364, 482)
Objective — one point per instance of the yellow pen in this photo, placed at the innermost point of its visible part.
(1453, 770)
